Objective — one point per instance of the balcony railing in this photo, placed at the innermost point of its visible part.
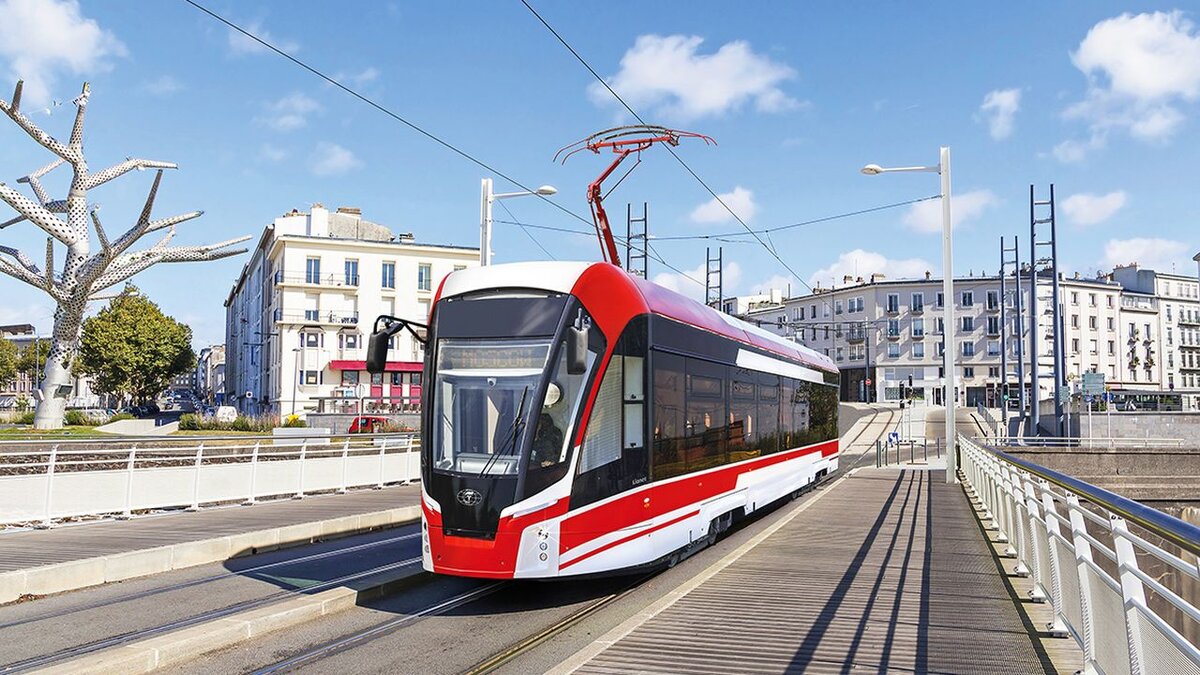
(368, 405)
(328, 280)
(336, 318)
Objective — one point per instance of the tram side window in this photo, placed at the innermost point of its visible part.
(705, 439)
(742, 415)
(787, 390)
(768, 413)
(669, 378)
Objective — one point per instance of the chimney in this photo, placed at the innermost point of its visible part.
(1077, 275)
(928, 275)
(848, 279)
(858, 280)
(350, 210)
(405, 237)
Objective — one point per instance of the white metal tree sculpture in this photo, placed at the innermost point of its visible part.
(83, 273)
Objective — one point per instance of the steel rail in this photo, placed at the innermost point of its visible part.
(342, 644)
(132, 636)
(1181, 533)
(209, 579)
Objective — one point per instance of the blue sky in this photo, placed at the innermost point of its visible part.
(1100, 98)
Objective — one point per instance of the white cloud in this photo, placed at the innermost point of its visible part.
(43, 39)
(861, 263)
(926, 216)
(1163, 255)
(686, 286)
(1089, 209)
(781, 281)
(1140, 69)
(240, 45)
(999, 108)
(666, 75)
(331, 159)
(740, 200)
(1071, 151)
(290, 112)
(271, 153)
(162, 86)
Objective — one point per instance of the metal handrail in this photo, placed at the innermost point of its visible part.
(1093, 441)
(1051, 523)
(1179, 532)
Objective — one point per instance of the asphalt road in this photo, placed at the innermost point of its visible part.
(68, 621)
(509, 612)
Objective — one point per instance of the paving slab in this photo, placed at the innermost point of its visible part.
(887, 571)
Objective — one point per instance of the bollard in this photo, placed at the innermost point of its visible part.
(878, 461)
(47, 522)
(251, 501)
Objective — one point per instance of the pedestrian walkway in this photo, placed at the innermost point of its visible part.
(69, 557)
(886, 571)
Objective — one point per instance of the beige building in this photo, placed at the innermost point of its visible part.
(298, 318)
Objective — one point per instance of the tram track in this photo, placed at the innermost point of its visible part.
(129, 637)
(192, 583)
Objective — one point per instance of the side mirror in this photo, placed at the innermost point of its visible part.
(577, 344)
(377, 349)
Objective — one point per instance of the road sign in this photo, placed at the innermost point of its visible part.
(1093, 383)
(868, 381)
(893, 438)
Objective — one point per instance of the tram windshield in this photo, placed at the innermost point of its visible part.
(484, 393)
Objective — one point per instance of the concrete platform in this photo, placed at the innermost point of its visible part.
(41, 562)
(887, 571)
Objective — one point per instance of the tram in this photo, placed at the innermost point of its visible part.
(580, 420)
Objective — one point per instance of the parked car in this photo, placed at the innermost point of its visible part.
(370, 424)
(226, 413)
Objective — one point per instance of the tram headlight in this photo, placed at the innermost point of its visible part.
(542, 557)
(553, 395)
(543, 546)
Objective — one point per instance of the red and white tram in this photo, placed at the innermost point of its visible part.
(578, 420)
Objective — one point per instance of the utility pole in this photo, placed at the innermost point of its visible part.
(714, 292)
(637, 241)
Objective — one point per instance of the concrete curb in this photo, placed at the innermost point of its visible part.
(76, 574)
(185, 644)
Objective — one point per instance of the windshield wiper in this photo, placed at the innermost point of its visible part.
(510, 441)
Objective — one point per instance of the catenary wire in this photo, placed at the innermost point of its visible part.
(411, 125)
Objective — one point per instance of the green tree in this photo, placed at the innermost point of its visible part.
(9, 360)
(32, 359)
(132, 348)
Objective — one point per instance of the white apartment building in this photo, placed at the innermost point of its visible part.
(298, 317)
(886, 331)
(210, 374)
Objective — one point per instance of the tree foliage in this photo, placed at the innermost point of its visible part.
(32, 358)
(132, 348)
(9, 360)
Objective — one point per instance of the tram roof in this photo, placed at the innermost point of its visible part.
(563, 276)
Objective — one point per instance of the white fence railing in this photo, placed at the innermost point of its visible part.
(41, 481)
(1075, 541)
(1097, 442)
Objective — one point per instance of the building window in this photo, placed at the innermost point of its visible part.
(348, 340)
(893, 350)
(389, 275)
(424, 276)
(1109, 300)
(1074, 298)
(310, 376)
(993, 325)
(312, 271)
(839, 353)
(941, 348)
(812, 310)
(941, 300)
(312, 315)
(968, 324)
(893, 328)
(993, 348)
(968, 349)
(351, 272)
(893, 302)
(837, 306)
(918, 327)
(993, 371)
(939, 326)
(1093, 347)
(1092, 322)
(1112, 347)
(310, 339)
(968, 371)
(968, 299)
(826, 332)
(918, 302)
(918, 350)
(349, 378)
(1074, 321)
(856, 304)
(1111, 323)
(993, 299)
(1092, 299)
(1074, 345)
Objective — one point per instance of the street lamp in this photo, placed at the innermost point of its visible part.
(487, 196)
(943, 169)
(295, 378)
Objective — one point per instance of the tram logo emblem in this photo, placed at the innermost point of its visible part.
(469, 497)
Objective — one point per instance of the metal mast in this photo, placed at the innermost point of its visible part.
(637, 241)
(713, 277)
(1045, 209)
(1012, 300)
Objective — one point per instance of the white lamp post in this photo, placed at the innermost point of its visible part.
(295, 377)
(948, 370)
(485, 213)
